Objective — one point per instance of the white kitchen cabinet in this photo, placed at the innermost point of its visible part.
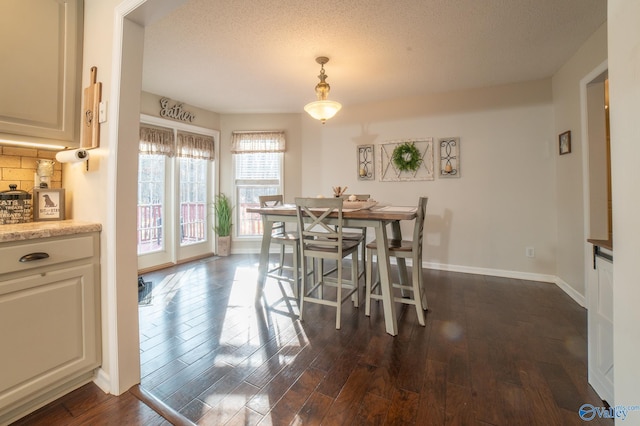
(49, 319)
(600, 324)
(41, 46)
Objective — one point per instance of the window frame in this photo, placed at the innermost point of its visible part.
(239, 183)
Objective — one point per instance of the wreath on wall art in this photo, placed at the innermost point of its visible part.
(406, 157)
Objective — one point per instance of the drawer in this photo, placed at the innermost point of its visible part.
(57, 250)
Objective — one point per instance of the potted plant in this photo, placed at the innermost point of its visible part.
(223, 210)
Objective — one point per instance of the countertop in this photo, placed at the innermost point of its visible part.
(608, 244)
(36, 230)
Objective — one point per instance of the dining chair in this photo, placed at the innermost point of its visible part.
(414, 293)
(361, 232)
(321, 239)
(356, 234)
(284, 238)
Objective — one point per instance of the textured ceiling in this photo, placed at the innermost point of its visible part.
(232, 56)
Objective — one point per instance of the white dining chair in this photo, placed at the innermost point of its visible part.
(359, 233)
(356, 234)
(322, 239)
(284, 238)
(414, 293)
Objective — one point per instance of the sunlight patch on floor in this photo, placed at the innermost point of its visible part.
(166, 290)
(244, 322)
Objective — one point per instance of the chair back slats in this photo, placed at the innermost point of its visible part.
(278, 228)
(316, 234)
(418, 229)
(271, 200)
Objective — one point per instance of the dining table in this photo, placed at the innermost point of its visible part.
(377, 217)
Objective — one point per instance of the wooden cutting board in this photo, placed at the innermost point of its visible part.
(90, 122)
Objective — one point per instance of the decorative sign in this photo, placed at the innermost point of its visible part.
(175, 111)
(420, 155)
(48, 204)
(366, 166)
(449, 157)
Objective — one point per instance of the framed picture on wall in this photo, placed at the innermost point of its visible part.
(48, 204)
(564, 142)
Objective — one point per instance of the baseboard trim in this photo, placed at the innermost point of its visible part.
(102, 380)
(528, 276)
(170, 264)
(577, 297)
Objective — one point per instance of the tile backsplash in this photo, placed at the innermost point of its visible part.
(18, 166)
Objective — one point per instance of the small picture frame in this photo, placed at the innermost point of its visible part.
(48, 204)
(564, 142)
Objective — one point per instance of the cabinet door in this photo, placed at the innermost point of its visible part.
(49, 328)
(40, 46)
(600, 329)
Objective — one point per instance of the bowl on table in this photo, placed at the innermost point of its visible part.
(360, 205)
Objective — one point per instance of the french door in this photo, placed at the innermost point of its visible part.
(174, 203)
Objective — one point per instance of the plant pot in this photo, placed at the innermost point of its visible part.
(224, 245)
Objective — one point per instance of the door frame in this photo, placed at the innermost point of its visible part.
(173, 253)
(604, 390)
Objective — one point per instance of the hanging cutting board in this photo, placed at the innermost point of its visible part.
(90, 122)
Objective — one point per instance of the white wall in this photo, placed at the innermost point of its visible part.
(569, 184)
(504, 200)
(122, 196)
(624, 91)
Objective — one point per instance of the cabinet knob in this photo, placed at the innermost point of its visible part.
(34, 256)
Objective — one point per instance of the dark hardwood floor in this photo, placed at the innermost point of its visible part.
(495, 351)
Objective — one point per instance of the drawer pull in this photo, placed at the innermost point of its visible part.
(34, 256)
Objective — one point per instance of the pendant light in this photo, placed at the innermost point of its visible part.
(322, 109)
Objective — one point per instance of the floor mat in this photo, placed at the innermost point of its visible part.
(145, 295)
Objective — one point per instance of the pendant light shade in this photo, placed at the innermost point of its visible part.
(322, 109)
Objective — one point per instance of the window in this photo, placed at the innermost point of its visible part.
(258, 165)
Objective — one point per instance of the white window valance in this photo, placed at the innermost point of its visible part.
(260, 141)
(191, 145)
(156, 140)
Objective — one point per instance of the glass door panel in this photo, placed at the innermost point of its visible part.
(151, 190)
(193, 201)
